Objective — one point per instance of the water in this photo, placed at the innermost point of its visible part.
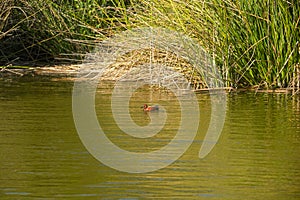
(42, 157)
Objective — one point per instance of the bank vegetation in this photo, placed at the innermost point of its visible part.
(254, 43)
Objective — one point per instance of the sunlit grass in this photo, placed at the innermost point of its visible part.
(253, 42)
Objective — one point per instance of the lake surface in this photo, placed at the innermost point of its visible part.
(42, 157)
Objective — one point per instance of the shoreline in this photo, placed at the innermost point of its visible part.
(70, 72)
(51, 71)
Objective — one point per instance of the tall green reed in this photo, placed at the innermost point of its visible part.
(253, 42)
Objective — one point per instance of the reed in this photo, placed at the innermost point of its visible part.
(46, 31)
(254, 43)
(5, 10)
(6, 26)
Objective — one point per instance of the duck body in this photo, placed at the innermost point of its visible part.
(147, 108)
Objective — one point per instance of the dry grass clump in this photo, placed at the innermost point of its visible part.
(137, 58)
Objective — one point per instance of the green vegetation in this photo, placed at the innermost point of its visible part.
(254, 43)
(40, 30)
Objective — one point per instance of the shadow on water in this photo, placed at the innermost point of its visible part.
(41, 155)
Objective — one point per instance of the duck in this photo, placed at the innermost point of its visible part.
(147, 108)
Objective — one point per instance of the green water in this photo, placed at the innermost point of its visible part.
(41, 156)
